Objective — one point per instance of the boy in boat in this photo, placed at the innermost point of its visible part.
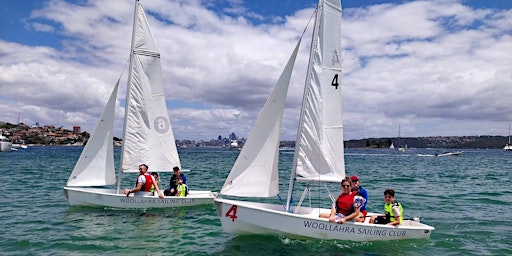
(172, 190)
(393, 212)
(156, 180)
(181, 187)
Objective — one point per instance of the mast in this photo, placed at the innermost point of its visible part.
(399, 143)
(509, 133)
(135, 19)
(314, 41)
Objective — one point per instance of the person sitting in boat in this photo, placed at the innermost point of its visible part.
(347, 206)
(144, 183)
(172, 190)
(157, 181)
(181, 188)
(393, 211)
(356, 186)
(360, 217)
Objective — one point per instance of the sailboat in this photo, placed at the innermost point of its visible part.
(5, 143)
(318, 158)
(508, 147)
(400, 147)
(147, 138)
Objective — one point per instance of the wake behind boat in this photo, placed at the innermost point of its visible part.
(318, 157)
(147, 139)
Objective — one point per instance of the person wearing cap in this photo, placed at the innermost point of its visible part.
(356, 186)
(173, 186)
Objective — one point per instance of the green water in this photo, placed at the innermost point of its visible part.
(468, 199)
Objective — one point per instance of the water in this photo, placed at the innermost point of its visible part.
(468, 200)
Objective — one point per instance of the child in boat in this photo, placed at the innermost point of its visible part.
(156, 180)
(393, 212)
(181, 187)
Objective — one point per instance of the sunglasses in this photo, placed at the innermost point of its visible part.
(346, 186)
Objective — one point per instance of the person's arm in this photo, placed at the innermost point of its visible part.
(186, 183)
(332, 216)
(157, 188)
(137, 188)
(172, 184)
(365, 196)
(350, 216)
(396, 213)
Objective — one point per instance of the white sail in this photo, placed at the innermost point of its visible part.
(95, 167)
(255, 172)
(319, 148)
(148, 136)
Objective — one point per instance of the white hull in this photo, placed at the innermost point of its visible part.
(261, 218)
(508, 147)
(451, 153)
(101, 197)
(16, 145)
(5, 146)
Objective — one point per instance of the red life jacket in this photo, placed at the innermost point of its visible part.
(344, 203)
(149, 182)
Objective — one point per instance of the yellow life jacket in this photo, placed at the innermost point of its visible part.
(182, 188)
(388, 209)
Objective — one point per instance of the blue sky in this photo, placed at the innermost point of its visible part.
(439, 67)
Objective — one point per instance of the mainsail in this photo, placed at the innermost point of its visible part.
(319, 148)
(148, 136)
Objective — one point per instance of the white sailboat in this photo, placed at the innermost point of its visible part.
(148, 137)
(508, 147)
(400, 147)
(5, 143)
(318, 157)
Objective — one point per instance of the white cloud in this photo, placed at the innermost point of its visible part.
(424, 64)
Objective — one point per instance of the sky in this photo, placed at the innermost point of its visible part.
(434, 68)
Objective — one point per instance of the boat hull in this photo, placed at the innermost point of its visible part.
(108, 198)
(242, 217)
(5, 146)
(458, 153)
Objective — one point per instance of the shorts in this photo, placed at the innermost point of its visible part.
(338, 216)
(381, 220)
